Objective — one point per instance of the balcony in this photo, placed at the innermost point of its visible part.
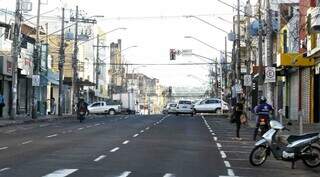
(294, 60)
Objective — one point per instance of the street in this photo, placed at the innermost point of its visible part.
(135, 146)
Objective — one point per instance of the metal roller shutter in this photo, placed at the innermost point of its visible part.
(293, 96)
(305, 93)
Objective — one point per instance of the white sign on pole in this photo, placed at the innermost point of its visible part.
(36, 80)
(247, 80)
(270, 73)
(187, 52)
(238, 88)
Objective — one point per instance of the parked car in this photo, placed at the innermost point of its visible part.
(102, 107)
(184, 107)
(170, 108)
(210, 105)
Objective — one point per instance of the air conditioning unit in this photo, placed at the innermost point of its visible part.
(315, 19)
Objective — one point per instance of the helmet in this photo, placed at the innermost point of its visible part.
(263, 99)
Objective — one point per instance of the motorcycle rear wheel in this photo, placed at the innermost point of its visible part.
(312, 163)
(258, 155)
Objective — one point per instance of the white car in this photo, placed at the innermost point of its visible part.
(184, 107)
(102, 107)
(210, 105)
(171, 108)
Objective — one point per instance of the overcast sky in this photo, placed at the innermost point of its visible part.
(155, 36)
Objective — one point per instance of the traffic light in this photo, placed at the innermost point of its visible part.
(173, 54)
(219, 84)
(253, 86)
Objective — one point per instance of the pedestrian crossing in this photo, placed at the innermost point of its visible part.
(99, 173)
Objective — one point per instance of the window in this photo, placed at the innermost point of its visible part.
(96, 105)
(173, 105)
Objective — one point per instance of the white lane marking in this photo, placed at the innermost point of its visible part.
(230, 172)
(26, 142)
(114, 149)
(61, 173)
(135, 135)
(4, 169)
(229, 176)
(102, 123)
(227, 164)
(126, 117)
(126, 142)
(223, 155)
(80, 128)
(97, 124)
(89, 126)
(43, 126)
(215, 138)
(11, 131)
(3, 148)
(169, 175)
(219, 145)
(100, 158)
(147, 128)
(125, 174)
(141, 131)
(211, 131)
(51, 136)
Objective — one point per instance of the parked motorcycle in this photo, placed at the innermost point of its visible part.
(291, 148)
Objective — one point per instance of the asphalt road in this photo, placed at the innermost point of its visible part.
(134, 146)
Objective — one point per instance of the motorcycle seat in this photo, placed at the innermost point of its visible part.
(293, 138)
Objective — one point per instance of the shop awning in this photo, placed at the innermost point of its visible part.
(68, 81)
(294, 60)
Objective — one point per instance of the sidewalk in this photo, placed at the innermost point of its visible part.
(24, 119)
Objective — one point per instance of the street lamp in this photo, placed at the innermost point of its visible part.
(214, 48)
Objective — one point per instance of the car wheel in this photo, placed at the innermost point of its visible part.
(218, 111)
(112, 112)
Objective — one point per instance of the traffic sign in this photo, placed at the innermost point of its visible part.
(270, 74)
(36, 80)
(247, 80)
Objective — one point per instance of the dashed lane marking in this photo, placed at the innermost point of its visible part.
(230, 172)
(61, 173)
(125, 174)
(100, 158)
(135, 135)
(141, 131)
(114, 149)
(215, 138)
(51, 136)
(26, 142)
(219, 145)
(147, 128)
(126, 142)
(4, 169)
(169, 175)
(80, 128)
(3, 148)
(227, 164)
(88, 126)
(97, 124)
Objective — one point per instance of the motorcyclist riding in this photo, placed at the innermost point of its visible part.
(82, 109)
(263, 110)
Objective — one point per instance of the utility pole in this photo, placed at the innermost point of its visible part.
(97, 63)
(15, 49)
(269, 62)
(75, 91)
(238, 63)
(36, 69)
(260, 87)
(216, 78)
(61, 63)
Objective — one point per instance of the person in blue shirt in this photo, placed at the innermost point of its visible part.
(264, 109)
(2, 104)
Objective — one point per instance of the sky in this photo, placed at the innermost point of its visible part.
(156, 35)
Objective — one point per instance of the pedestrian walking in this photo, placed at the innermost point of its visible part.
(238, 117)
(53, 106)
(2, 104)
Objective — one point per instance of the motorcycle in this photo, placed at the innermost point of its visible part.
(263, 124)
(291, 148)
(81, 116)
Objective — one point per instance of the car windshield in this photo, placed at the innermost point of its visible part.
(184, 102)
